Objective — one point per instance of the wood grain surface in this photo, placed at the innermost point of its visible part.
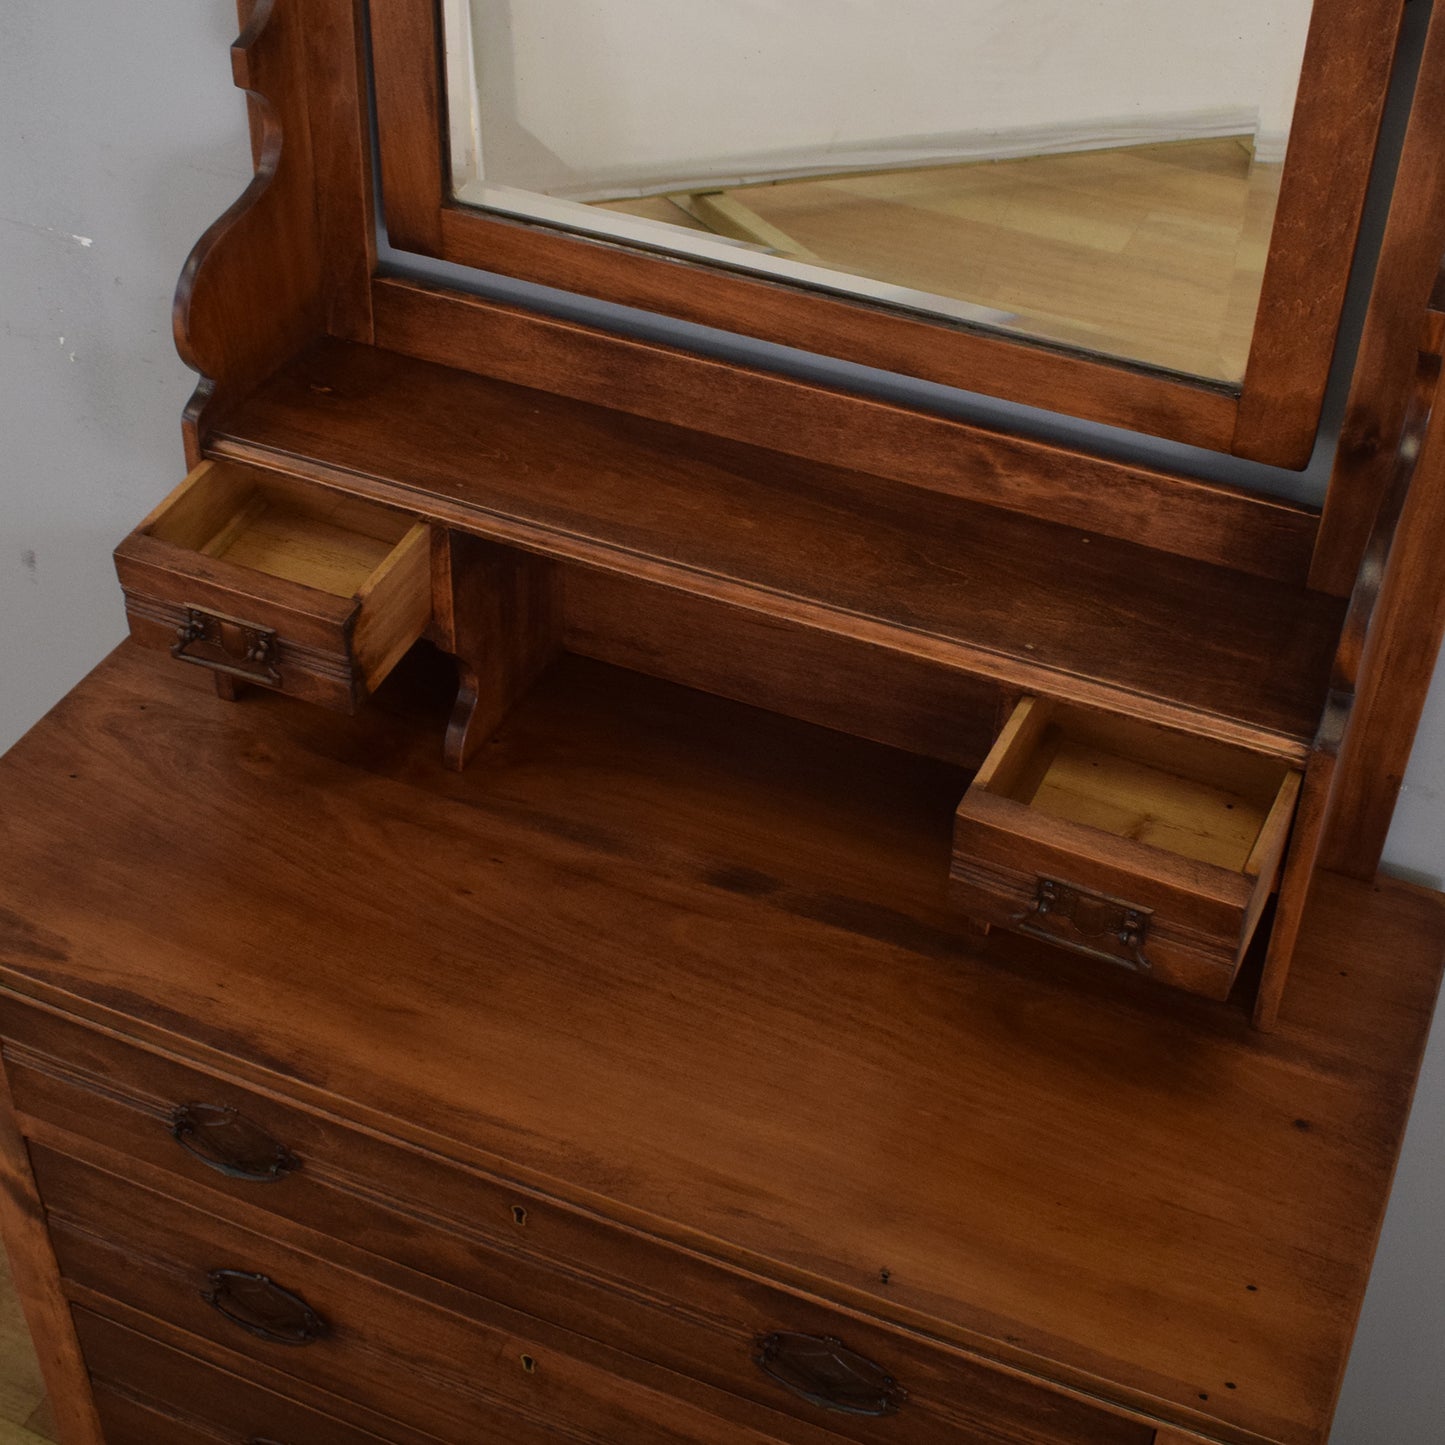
(1406, 275)
(691, 964)
(1040, 606)
(1256, 534)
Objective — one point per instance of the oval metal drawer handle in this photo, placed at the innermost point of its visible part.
(822, 1371)
(231, 1144)
(261, 1307)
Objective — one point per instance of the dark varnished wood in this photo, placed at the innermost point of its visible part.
(691, 928)
(149, 1393)
(499, 613)
(441, 1363)
(871, 691)
(571, 1382)
(407, 87)
(1252, 533)
(1346, 73)
(1028, 603)
(1384, 374)
(512, 1246)
(1392, 636)
(1345, 78)
(252, 291)
(148, 1359)
(293, 257)
(1382, 670)
(1301, 871)
(339, 117)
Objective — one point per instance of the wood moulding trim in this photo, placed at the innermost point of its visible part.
(1217, 524)
(1348, 64)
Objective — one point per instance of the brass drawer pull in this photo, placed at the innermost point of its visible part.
(1105, 928)
(227, 644)
(231, 1144)
(820, 1370)
(261, 1307)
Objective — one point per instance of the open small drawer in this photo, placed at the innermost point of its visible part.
(274, 582)
(1144, 848)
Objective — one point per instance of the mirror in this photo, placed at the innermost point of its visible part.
(1103, 177)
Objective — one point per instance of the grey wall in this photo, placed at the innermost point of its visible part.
(120, 141)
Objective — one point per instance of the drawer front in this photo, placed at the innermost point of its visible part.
(254, 643)
(596, 1278)
(150, 1394)
(450, 1374)
(1116, 930)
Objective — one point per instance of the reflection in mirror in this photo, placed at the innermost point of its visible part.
(1101, 176)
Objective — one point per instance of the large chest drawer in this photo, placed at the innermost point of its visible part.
(453, 1373)
(148, 1393)
(800, 1369)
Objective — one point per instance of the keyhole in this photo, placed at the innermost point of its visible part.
(529, 1364)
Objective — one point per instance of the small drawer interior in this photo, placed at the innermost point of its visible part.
(1188, 796)
(281, 528)
(1135, 845)
(1185, 795)
(285, 584)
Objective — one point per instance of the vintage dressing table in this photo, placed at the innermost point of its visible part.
(621, 896)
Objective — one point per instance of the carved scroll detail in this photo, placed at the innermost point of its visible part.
(251, 292)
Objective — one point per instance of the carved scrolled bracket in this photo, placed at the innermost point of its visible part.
(251, 293)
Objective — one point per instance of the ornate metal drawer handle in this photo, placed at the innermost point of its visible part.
(1105, 928)
(227, 644)
(231, 1144)
(261, 1307)
(822, 1371)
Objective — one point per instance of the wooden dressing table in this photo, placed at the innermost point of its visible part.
(615, 896)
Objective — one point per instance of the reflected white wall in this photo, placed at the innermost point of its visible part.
(589, 98)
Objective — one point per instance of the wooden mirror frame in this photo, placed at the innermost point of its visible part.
(1272, 417)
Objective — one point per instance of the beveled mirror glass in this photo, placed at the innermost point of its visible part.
(1103, 177)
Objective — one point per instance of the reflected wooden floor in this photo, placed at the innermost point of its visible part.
(24, 1413)
(1155, 253)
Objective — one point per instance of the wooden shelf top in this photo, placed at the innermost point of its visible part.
(694, 960)
(1031, 604)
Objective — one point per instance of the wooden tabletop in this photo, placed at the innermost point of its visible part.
(694, 962)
